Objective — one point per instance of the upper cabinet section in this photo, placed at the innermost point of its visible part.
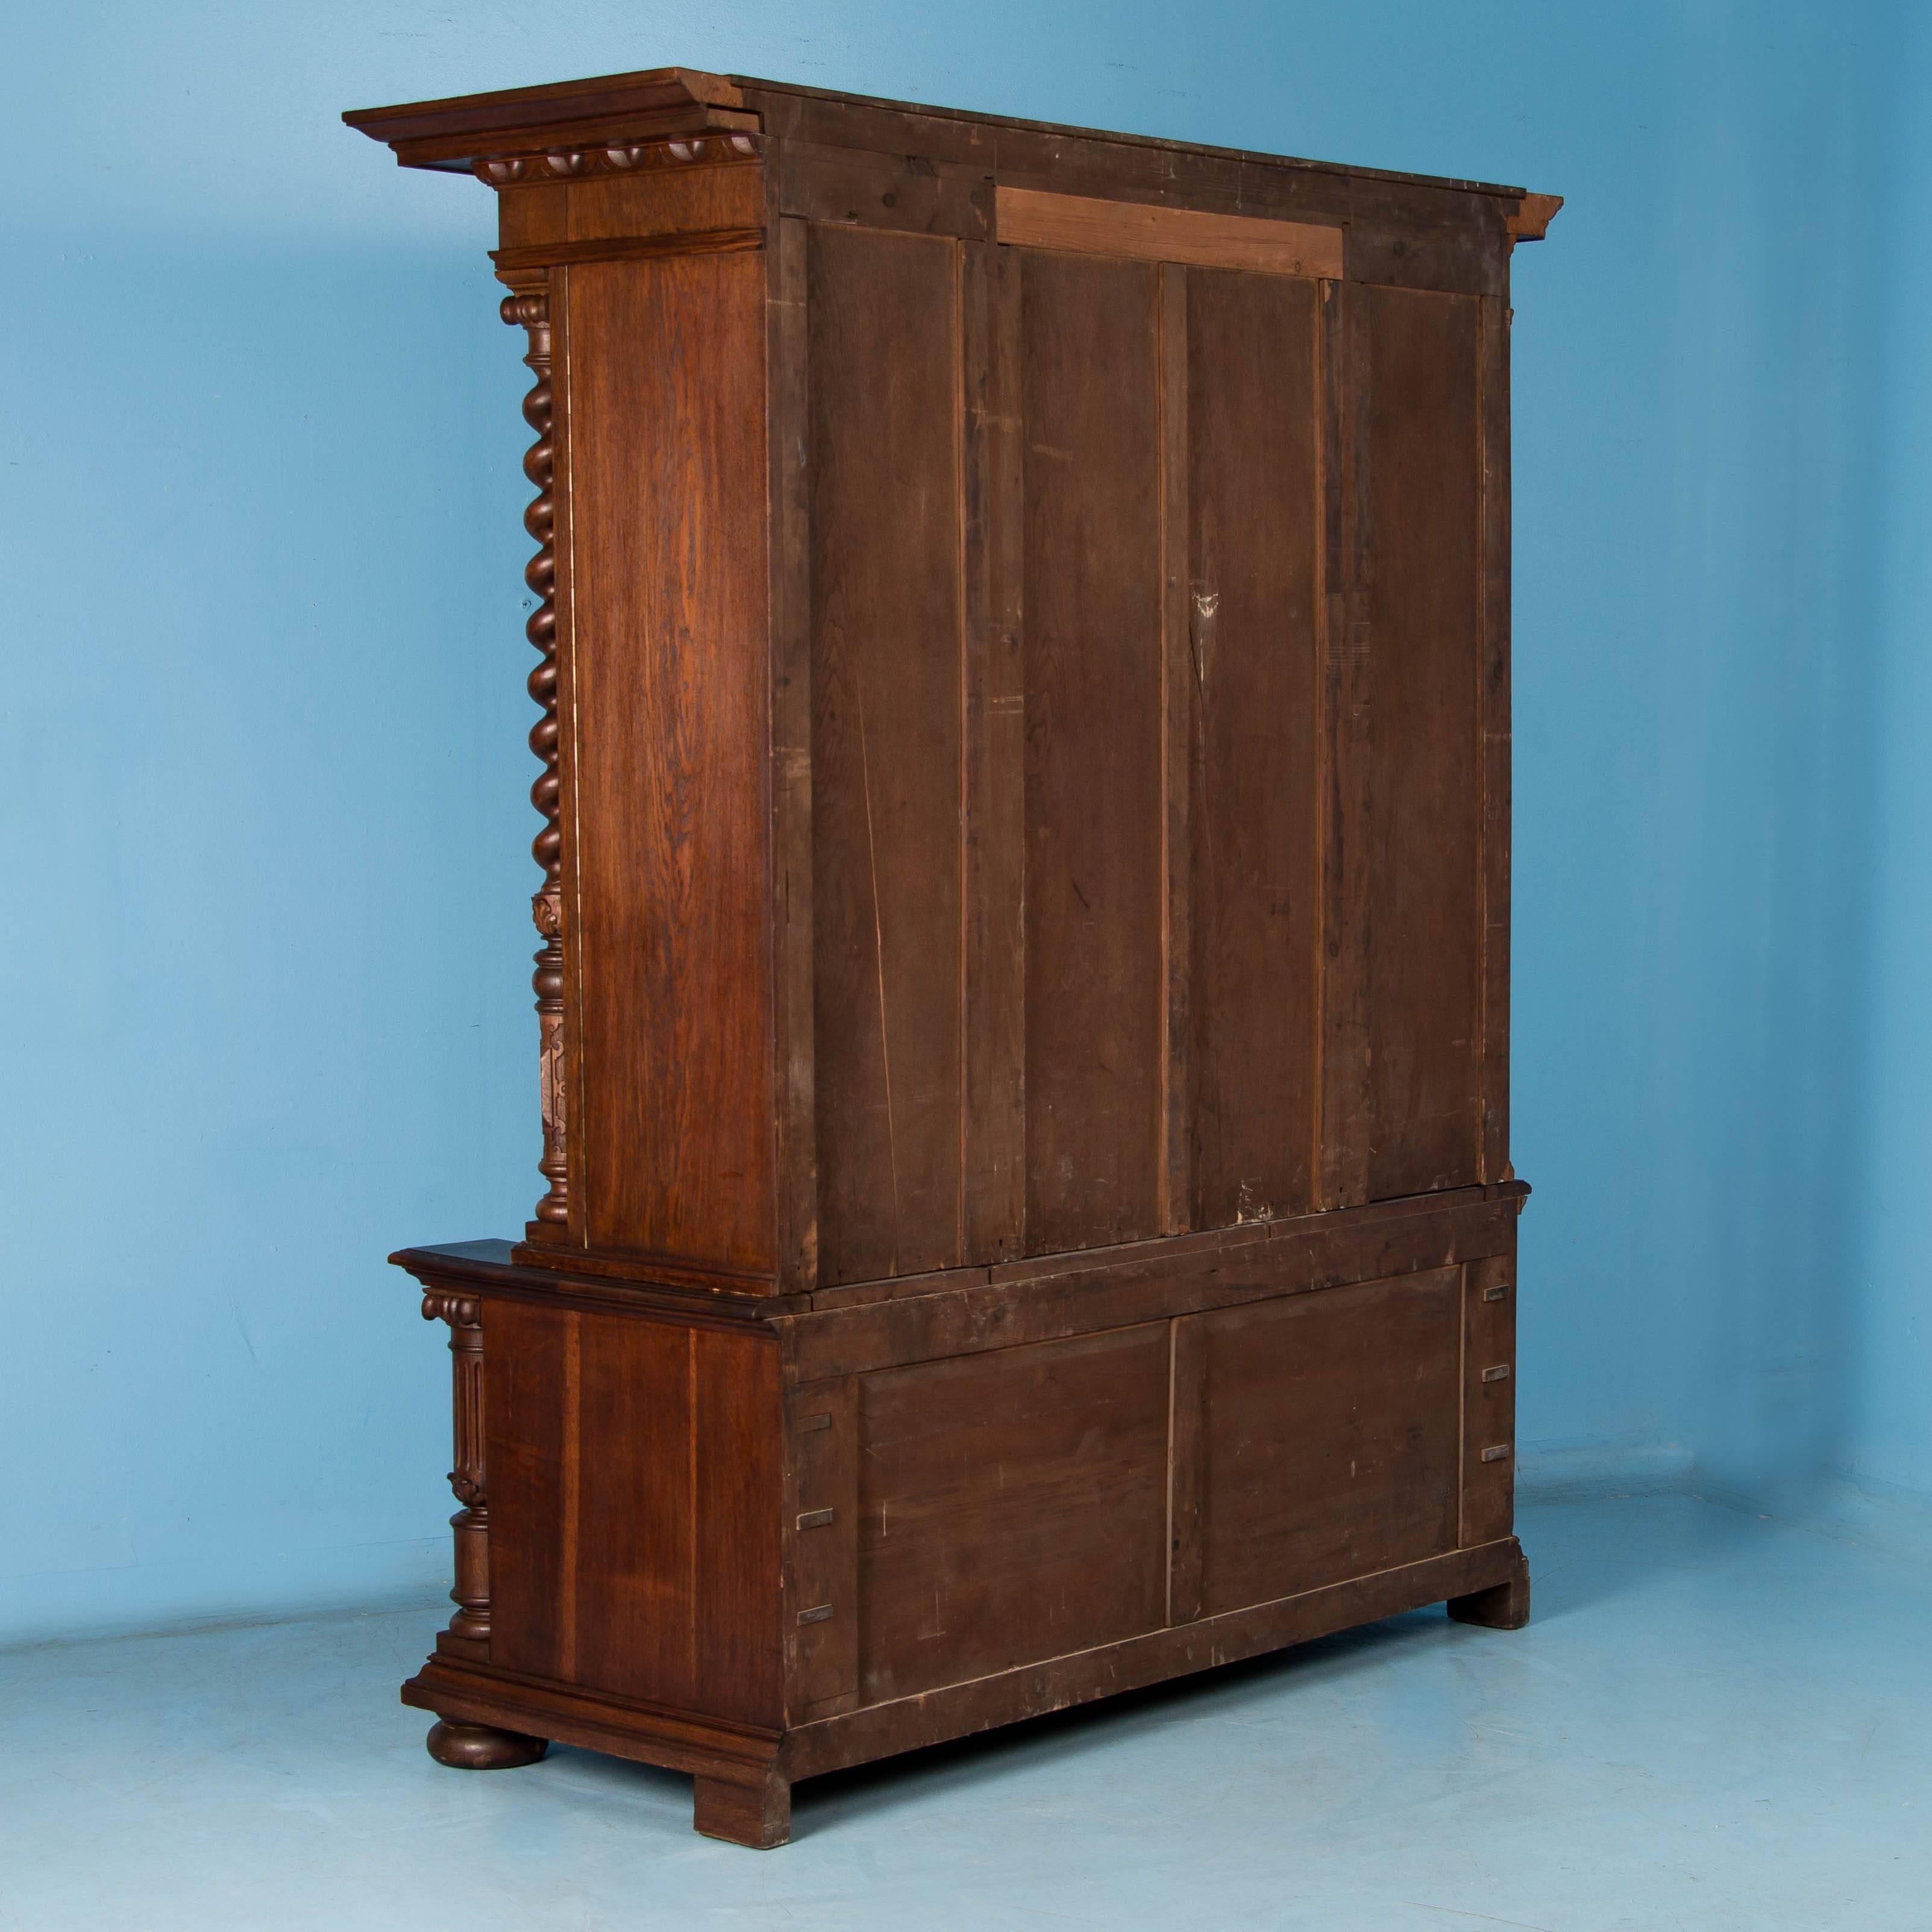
(983, 178)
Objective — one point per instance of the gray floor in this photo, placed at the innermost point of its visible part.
(1715, 1721)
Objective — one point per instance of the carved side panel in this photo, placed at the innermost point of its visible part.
(469, 1631)
(531, 311)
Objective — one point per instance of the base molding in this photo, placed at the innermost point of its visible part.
(744, 1773)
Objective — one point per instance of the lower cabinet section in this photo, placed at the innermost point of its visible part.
(704, 1551)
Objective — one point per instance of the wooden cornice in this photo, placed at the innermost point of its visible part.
(455, 133)
(1532, 221)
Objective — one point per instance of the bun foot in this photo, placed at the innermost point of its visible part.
(481, 1747)
(1505, 1606)
(757, 1813)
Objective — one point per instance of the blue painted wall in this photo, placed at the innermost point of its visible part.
(1885, 1445)
(266, 1011)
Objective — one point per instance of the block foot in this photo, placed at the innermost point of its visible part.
(481, 1747)
(1504, 1606)
(756, 1812)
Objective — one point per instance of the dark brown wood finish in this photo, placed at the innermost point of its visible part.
(887, 667)
(1092, 702)
(1024, 778)
(1254, 469)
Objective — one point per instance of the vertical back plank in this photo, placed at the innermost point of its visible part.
(1252, 450)
(1495, 728)
(1094, 994)
(1423, 914)
(1344, 752)
(995, 753)
(672, 754)
(1179, 768)
(791, 757)
(886, 675)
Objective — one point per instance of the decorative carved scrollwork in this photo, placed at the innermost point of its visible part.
(470, 1625)
(532, 312)
(620, 157)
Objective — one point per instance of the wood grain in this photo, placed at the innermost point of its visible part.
(1141, 231)
(887, 666)
(1012, 1506)
(994, 531)
(794, 1045)
(671, 589)
(1421, 911)
(647, 1562)
(1253, 463)
(1330, 1448)
(1094, 988)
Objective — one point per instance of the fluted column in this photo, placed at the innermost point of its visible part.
(532, 312)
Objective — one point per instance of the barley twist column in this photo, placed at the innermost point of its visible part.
(532, 312)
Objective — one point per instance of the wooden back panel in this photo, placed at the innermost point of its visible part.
(1222, 749)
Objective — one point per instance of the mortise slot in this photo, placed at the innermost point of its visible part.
(1500, 1373)
(1497, 1293)
(819, 1613)
(815, 1519)
(808, 1423)
(1498, 1454)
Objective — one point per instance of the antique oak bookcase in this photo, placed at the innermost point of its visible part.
(1022, 619)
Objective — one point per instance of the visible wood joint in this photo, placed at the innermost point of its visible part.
(818, 1519)
(1500, 1373)
(1496, 1452)
(819, 1613)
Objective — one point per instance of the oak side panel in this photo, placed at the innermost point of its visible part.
(1094, 887)
(674, 1122)
(530, 1358)
(635, 1509)
(637, 1524)
(1329, 1447)
(1012, 1506)
(887, 666)
(1422, 568)
(1253, 428)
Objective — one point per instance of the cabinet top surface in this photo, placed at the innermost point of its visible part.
(452, 133)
